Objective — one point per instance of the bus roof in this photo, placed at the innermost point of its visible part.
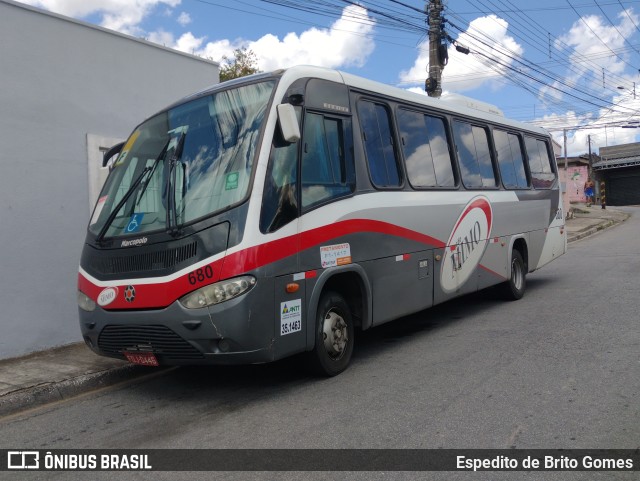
(449, 103)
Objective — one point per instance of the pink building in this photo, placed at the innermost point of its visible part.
(573, 178)
(576, 177)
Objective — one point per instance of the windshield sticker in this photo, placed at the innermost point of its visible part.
(231, 181)
(134, 223)
(176, 135)
(127, 147)
(98, 209)
(290, 317)
(466, 244)
(335, 255)
(121, 157)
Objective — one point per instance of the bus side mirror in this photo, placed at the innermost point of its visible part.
(288, 123)
(115, 150)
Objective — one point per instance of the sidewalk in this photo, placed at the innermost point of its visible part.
(57, 374)
(587, 221)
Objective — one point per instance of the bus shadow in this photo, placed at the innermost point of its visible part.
(373, 342)
(369, 345)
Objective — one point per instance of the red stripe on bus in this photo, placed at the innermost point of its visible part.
(263, 254)
(479, 203)
(486, 269)
(162, 294)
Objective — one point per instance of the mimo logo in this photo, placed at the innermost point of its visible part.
(466, 244)
(23, 460)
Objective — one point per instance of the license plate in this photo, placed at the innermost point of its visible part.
(142, 358)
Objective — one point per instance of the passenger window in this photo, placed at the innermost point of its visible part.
(378, 144)
(476, 166)
(426, 150)
(510, 160)
(327, 159)
(280, 197)
(542, 175)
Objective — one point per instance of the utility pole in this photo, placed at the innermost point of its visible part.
(589, 172)
(565, 194)
(564, 135)
(433, 84)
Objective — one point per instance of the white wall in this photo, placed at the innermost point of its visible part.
(62, 84)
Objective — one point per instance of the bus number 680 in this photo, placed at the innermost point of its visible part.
(200, 275)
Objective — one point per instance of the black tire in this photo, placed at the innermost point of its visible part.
(514, 288)
(333, 347)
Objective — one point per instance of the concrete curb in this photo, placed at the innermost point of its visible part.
(594, 230)
(46, 393)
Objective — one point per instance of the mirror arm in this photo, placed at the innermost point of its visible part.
(116, 149)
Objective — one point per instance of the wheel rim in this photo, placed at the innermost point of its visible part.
(517, 276)
(335, 334)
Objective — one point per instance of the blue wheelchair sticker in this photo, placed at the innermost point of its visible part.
(134, 223)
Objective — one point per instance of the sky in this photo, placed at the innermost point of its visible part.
(561, 64)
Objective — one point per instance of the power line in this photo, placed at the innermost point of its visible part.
(613, 25)
(626, 11)
(597, 36)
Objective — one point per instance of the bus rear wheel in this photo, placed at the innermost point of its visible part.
(334, 336)
(514, 288)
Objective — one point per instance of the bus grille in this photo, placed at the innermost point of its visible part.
(147, 261)
(160, 339)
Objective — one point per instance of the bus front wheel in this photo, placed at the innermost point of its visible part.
(334, 336)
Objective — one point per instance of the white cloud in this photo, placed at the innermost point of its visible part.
(184, 19)
(594, 39)
(161, 37)
(466, 72)
(121, 15)
(578, 140)
(551, 92)
(345, 43)
(594, 125)
(188, 43)
(417, 90)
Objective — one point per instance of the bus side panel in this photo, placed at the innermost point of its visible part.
(555, 241)
(547, 238)
(401, 285)
(493, 268)
(554, 244)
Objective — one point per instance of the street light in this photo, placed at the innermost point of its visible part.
(620, 87)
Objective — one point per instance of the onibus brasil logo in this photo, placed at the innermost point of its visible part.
(466, 244)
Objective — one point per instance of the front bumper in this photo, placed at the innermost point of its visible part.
(228, 333)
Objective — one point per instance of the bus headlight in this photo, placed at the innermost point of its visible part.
(217, 292)
(85, 303)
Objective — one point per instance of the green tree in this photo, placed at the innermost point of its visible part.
(244, 62)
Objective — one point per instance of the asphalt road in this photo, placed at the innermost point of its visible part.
(558, 369)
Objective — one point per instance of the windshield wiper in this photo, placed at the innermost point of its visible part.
(153, 168)
(172, 214)
(125, 197)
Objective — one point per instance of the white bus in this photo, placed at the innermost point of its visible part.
(276, 214)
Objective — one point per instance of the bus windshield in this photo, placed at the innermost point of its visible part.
(184, 164)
